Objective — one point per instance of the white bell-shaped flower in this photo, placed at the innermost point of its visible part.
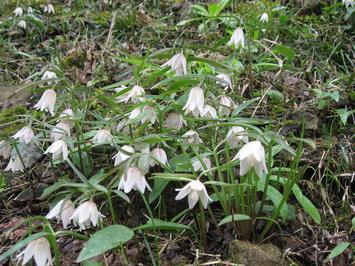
(135, 95)
(58, 149)
(30, 11)
(49, 75)
(47, 101)
(226, 105)
(59, 131)
(15, 165)
(133, 179)
(102, 136)
(195, 102)
(198, 167)
(121, 98)
(159, 155)
(40, 250)
(226, 83)
(264, 17)
(348, 3)
(67, 114)
(150, 115)
(135, 113)
(191, 137)
(174, 121)
(252, 155)
(195, 190)
(178, 64)
(5, 149)
(86, 214)
(236, 134)
(237, 39)
(209, 112)
(63, 211)
(22, 24)
(18, 12)
(121, 156)
(25, 135)
(48, 8)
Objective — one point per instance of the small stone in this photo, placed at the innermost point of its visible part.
(246, 253)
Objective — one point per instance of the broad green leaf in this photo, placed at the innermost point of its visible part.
(162, 225)
(159, 186)
(199, 10)
(107, 238)
(234, 218)
(57, 185)
(344, 114)
(307, 205)
(20, 244)
(340, 248)
(122, 195)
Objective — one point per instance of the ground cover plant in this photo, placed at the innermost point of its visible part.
(175, 133)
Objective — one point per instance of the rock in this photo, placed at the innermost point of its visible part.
(246, 253)
(11, 96)
(310, 120)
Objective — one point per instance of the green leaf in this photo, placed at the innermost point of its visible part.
(159, 186)
(340, 248)
(21, 244)
(122, 195)
(307, 205)
(285, 51)
(244, 105)
(108, 238)
(162, 225)
(234, 218)
(199, 10)
(344, 114)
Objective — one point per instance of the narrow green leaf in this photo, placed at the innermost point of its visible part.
(340, 248)
(234, 218)
(244, 105)
(162, 225)
(307, 205)
(108, 238)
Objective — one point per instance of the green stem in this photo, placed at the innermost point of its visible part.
(113, 214)
(203, 235)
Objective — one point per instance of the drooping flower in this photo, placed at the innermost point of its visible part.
(195, 190)
(198, 167)
(59, 131)
(63, 211)
(191, 137)
(150, 115)
(195, 102)
(58, 149)
(135, 113)
(49, 75)
(102, 136)
(67, 114)
(348, 3)
(30, 11)
(225, 105)
(174, 121)
(120, 98)
(121, 156)
(237, 39)
(15, 164)
(47, 101)
(5, 149)
(85, 214)
(178, 64)
(48, 8)
(18, 12)
(25, 135)
(22, 24)
(159, 155)
(136, 94)
(252, 155)
(236, 134)
(133, 179)
(227, 82)
(40, 250)
(264, 17)
(209, 112)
